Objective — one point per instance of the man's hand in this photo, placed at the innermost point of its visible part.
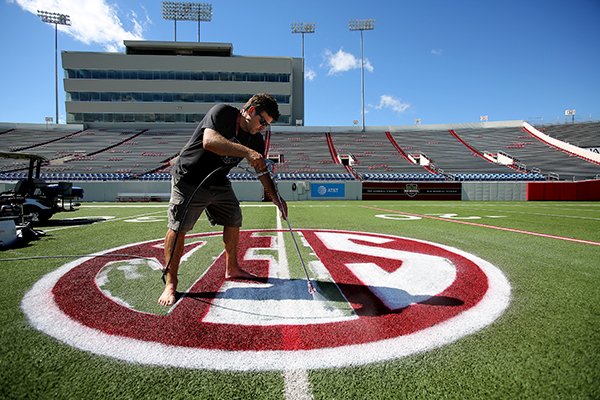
(271, 190)
(256, 160)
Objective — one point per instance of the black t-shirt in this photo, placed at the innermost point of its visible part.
(194, 163)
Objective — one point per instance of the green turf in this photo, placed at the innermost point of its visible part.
(545, 346)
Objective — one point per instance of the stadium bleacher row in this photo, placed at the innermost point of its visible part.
(451, 154)
(586, 134)
(10, 176)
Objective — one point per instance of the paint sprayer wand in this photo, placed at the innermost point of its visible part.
(311, 287)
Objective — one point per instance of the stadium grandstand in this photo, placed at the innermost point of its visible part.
(508, 151)
(585, 135)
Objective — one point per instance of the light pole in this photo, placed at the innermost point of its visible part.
(203, 13)
(362, 25)
(56, 19)
(186, 11)
(301, 27)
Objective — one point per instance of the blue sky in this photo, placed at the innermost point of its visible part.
(440, 61)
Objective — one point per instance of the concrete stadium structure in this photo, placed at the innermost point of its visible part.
(444, 162)
(174, 82)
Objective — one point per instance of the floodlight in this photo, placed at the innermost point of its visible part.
(54, 18)
(186, 11)
(361, 24)
(301, 27)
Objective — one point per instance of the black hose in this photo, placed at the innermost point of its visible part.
(116, 255)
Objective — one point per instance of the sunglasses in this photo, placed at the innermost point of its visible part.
(263, 122)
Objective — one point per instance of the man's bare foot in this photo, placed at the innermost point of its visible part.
(238, 273)
(168, 296)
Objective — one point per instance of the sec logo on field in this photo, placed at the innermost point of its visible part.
(381, 297)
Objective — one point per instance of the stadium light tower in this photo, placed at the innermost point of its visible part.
(56, 19)
(203, 13)
(301, 27)
(362, 25)
(186, 11)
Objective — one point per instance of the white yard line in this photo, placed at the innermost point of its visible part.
(535, 213)
(500, 228)
(106, 220)
(284, 266)
(297, 385)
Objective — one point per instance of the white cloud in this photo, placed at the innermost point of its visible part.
(92, 21)
(437, 52)
(310, 74)
(341, 62)
(396, 105)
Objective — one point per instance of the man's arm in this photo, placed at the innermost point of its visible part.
(215, 142)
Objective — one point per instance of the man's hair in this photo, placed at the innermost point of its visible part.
(264, 102)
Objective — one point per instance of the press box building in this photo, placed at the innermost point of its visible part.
(174, 82)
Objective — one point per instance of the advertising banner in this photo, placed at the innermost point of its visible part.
(412, 190)
(327, 190)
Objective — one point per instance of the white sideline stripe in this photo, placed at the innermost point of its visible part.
(297, 385)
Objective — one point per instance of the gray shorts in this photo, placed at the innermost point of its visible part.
(221, 205)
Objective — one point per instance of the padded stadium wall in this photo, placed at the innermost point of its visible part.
(564, 191)
(107, 191)
(246, 191)
(494, 191)
(290, 190)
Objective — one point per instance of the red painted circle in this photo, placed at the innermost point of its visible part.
(77, 295)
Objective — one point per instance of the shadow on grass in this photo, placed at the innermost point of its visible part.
(362, 298)
(68, 222)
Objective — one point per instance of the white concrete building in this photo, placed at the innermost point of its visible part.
(174, 82)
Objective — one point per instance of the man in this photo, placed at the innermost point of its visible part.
(223, 138)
